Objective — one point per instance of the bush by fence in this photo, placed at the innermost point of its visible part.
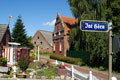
(77, 61)
(84, 55)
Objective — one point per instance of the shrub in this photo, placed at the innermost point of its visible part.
(23, 62)
(3, 61)
(77, 61)
(84, 55)
(32, 55)
(8, 76)
(101, 68)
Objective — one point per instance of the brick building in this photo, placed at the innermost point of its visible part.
(43, 39)
(5, 36)
(61, 32)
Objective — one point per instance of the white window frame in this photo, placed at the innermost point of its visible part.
(60, 44)
(59, 33)
(54, 46)
(55, 34)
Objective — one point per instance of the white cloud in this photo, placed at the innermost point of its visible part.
(52, 23)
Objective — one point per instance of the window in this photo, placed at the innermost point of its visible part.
(34, 42)
(55, 34)
(60, 46)
(59, 33)
(54, 47)
(38, 37)
(41, 42)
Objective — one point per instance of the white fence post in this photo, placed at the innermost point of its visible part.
(114, 78)
(14, 70)
(56, 62)
(62, 63)
(90, 75)
(38, 54)
(72, 72)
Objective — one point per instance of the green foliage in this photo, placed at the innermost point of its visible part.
(8, 76)
(32, 54)
(84, 55)
(23, 62)
(95, 43)
(77, 61)
(101, 68)
(3, 61)
(19, 34)
(47, 72)
(45, 53)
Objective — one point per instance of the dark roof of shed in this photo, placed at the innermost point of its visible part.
(3, 28)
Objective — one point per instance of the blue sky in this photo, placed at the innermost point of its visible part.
(36, 14)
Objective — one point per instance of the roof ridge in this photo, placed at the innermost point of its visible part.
(4, 24)
(68, 17)
(45, 31)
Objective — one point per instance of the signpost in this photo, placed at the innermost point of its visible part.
(101, 26)
(94, 26)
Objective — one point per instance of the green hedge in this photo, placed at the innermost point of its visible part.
(77, 61)
(84, 55)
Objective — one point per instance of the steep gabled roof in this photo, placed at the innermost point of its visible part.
(47, 35)
(67, 23)
(69, 20)
(3, 28)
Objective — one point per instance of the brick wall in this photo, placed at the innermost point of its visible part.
(39, 40)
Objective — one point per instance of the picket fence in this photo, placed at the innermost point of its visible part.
(79, 75)
(75, 74)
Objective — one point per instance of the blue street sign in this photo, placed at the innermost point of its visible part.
(94, 26)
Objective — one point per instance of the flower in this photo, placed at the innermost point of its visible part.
(62, 66)
(47, 61)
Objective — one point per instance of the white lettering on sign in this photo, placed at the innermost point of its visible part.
(88, 25)
(97, 26)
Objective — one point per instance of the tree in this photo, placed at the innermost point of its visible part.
(19, 34)
(96, 43)
(92, 42)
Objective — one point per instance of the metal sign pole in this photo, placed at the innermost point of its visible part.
(100, 26)
(110, 50)
(110, 54)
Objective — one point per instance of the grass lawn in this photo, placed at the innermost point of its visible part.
(45, 54)
(33, 54)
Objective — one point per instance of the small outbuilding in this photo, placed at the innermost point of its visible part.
(5, 36)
